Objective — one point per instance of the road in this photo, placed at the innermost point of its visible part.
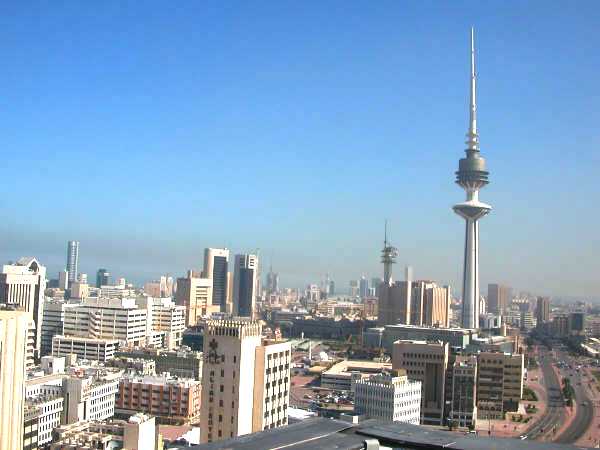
(585, 409)
(555, 413)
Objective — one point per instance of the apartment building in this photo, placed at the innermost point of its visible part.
(426, 362)
(172, 400)
(389, 396)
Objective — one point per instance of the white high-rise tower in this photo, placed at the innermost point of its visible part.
(471, 176)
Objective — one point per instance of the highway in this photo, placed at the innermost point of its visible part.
(585, 410)
(555, 413)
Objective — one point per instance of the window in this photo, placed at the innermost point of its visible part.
(221, 388)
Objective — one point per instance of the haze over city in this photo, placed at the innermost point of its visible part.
(150, 134)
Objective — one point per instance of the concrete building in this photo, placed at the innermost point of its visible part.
(72, 260)
(386, 336)
(96, 349)
(389, 396)
(543, 310)
(136, 433)
(13, 353)
(195, 295)
(53, 322)
(245, 380)
(108, 318)
(499, 384)
(426, 362)
(245, 290)
(63, 280)
(363, 287)
(216, 261)
(164, 316)
(45, 412)
(342, 375)
(90, 393)
(183, 362)
(22, 287)
(117, 291)
(463, 390)
(499, 298)
(172, 400)
(80, 290)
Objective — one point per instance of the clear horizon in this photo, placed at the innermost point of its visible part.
(150, 133)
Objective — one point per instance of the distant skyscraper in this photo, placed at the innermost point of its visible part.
(364, 287)
(82, 278)
(499, 298)
(354, 291)
(331, 287)
(216, 261)
(471, 176)
(244, 285)
(272, 282)
(102, 278)
(543, 310)
(63, 279)
(72, 260)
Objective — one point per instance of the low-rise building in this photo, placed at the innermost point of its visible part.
(340, 376)
(386, 336)
(389, 396)
(183, 362)
(96, 349)
(171, 400)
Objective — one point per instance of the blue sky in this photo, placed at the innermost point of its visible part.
(150, 130)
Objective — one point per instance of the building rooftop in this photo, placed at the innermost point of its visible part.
(347, 366)
(321, 433)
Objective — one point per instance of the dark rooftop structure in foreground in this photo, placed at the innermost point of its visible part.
(320, 433)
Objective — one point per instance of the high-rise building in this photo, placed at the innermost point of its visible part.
(244, 285)
(426, 362)
(354, 289)
(389, 396)
(195, 294)
(22, 286)
(13, 349)
(102, 278)
(245, 380)
(499, 383)
(331, 287)
(72, 260)
(499, 298)
(63, 280)
(82, 278)
(272, 282)
(364, 287)
(216, 261)
(53, 322)
(472, 175)
(543, 310)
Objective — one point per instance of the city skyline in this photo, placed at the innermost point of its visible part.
(353, 106)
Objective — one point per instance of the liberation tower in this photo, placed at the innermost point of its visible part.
(388, 257)
(471, 176)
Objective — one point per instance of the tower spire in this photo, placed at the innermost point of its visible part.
(472, 137)
(385, 234)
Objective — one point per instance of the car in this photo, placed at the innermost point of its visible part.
(523, 437)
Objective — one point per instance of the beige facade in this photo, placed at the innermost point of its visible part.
(426, 362)
(13, 343)
(80, 290)
(499, 383)
(463, 399)
(245, 380)
(195, 294)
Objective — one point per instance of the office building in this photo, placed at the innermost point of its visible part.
(102, 278)
(116, 291)
(426, 362)
(183, 363)
(72, 260)
(331, 287)
(216, 262)
(53, 322)
(63, 280)
(363, 287)
(499, 384)
(22, 287)
(195, 295)
(136, 433)
(471, 175)
(82, 278)
(79, 290)
(245, 380)
(245, 290)
(463, 390)
(354, 288)
(164, 317)
(499, 298)
(394, 297)
(172, 400)
(389, 396)
(96, 349)
(108, 318)
(13, 352)
(576, 323)
(272, 282)
(542, 310)
(386, 336)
